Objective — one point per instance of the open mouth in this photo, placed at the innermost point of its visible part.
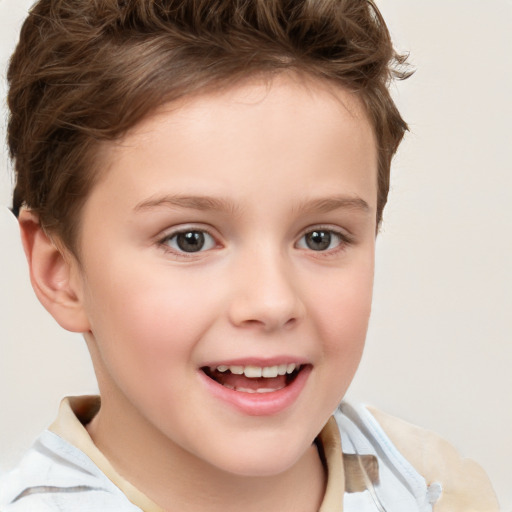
(254, 379)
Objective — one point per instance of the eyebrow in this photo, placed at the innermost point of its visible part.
(202, 203)
(206, 203)
(329, 204)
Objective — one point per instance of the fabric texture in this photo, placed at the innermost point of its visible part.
(374, 463)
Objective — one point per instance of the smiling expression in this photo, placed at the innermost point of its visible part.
(226, 270)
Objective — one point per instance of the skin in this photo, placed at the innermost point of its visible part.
(281, 158)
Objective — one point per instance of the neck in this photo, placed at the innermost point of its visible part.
(178, 480)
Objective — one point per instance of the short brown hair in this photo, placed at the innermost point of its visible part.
(85, 71)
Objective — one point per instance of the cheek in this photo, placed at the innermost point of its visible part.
(145, 320)
(144, 333)
(343, 309)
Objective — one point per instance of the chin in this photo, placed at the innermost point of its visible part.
(258, 461)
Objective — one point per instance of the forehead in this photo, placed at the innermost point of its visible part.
(303, 96)
(254, 136)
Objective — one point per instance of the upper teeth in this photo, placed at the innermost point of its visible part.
(253, 372)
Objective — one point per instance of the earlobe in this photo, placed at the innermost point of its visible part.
(53, 274)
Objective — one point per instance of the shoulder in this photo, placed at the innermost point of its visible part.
(425, 461)
(54, 475)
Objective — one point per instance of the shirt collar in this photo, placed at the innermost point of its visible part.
(343, 472)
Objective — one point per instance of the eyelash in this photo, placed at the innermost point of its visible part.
(164, 241)
(343, 240)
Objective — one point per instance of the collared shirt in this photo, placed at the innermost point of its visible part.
(64, 470)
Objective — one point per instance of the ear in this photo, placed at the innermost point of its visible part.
(54, 274)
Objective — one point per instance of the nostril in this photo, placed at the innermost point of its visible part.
(269, 324)
(269, 301)
(291, 322)
(265, 316)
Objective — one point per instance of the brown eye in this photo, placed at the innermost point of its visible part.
(320, 240)
(190, 241)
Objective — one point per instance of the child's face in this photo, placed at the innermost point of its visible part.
(235, 230)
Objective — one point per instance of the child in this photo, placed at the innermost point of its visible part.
(199, 185)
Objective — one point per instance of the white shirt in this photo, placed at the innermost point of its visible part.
(64, 471)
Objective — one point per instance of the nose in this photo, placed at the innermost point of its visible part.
(265, 294)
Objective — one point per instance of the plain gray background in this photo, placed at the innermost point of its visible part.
(439, 350)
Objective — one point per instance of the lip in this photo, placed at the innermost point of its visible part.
(258, 404)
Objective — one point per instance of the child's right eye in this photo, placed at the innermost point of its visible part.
(189, 241)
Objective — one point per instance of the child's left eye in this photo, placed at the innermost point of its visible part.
(321, 240)
(190, 241)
